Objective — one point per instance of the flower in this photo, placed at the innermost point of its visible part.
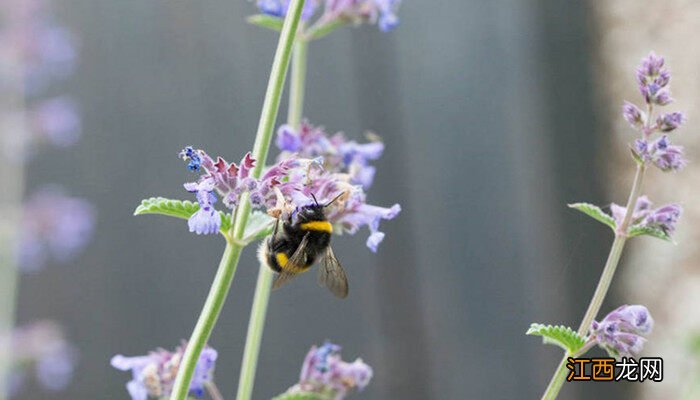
(339, 154)
(664, 218)
(633, 115)
(311, 164)
(153, 375)
(40, 346)
(279, 8)
(670, 121)
(622, 332)
(660, 152)
(383, 13)
(53, 225)
(324, 372)
(206, 220)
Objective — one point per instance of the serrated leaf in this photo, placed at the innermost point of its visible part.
(560, 335)
(639, 230)
(594, 212)
(318, 32)
(176, 208)
(266, 21)
(259, 225)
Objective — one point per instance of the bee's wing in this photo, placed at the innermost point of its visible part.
(332, 275)
(295, 263)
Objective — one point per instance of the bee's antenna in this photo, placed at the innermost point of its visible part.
(314, 197)
(334, 199)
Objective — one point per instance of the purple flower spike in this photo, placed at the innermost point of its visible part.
(41, 348)
(324, 372)
(153, 375)
(54, 225)
(622, 332)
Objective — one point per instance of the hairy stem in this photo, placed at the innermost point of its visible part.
(229, 260)
(263, 286)
(604, 284)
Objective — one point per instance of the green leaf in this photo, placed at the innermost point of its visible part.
(176, 208)
(259, 225)
(560, 335)
(639, 230)
(595, 212)
(266, 21)
(320, 31)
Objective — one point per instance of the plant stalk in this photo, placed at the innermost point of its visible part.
(297, 85)
(601, 290)
(229, 261)
(263, 286)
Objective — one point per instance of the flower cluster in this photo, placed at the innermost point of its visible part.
(154, 374)
(664, 218)
(622, 332)
(53, 225)
(653, 79)
(319, 167)
(325, 373)
(346, 171)
(380, 12)
(338, 153)
(42, 347)
(37, 52)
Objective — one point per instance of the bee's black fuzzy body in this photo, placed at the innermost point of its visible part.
(308, 220)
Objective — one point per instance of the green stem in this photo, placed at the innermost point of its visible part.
(601, 290)
(229, 260)
(298, 83)
(14, 128)
(207, 320)
(263, 286)
(255, 331)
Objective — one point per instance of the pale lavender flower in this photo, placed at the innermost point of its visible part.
(380, 12)
(340, 155)
(622, 332)
(153, 375)
(660, 152)
(54, 225)
(383, 13)
(633, 115)
(664, 218)
(40, 348)
(279, 8)
(670, 121)
(206, 220)
(326, 374)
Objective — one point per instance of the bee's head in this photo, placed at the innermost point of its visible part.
(311, 212)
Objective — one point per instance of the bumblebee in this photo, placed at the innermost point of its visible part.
(304, 238)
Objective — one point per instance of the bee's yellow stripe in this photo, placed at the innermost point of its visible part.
(283, 262)
(322, 226)
(282, 259)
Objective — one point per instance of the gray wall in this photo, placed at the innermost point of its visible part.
(486, 109)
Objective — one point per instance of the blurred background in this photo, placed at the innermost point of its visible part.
(495, 115)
